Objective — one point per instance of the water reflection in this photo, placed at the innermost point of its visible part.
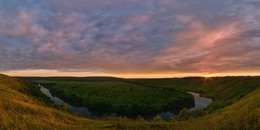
(200, 103)
(82, 110)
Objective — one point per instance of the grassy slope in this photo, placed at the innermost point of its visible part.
(120, 97)
(244, 113)
(19, 109)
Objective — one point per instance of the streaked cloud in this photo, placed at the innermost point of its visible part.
(130, 36)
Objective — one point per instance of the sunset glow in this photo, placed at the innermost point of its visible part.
(207, 75)
(130, 38)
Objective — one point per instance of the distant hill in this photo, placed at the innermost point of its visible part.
(80, 79)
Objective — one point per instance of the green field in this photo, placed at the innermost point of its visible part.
(223, 89)
(143, 96)
(118, 96)
(22, 106)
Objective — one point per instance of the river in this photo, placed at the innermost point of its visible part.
(200, 103)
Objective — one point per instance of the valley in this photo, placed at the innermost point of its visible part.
(235, 105)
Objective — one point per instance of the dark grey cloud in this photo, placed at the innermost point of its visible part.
(136, 36)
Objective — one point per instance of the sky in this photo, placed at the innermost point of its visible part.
(129, 38)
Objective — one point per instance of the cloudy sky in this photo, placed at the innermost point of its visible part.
(142, 38)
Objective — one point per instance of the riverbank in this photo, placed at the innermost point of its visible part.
(119, 97)
(200, 103)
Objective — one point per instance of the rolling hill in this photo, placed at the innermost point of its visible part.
(22, 106)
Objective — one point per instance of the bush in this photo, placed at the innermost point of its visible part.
(157, 118)
(198, 113)
(63, 107)
(184, 114)
(173, 119)
(140, 118)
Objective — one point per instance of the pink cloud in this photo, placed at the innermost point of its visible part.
(87, 4)
(23, 25)
(139, 19)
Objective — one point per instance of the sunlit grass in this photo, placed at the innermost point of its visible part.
(20, 110)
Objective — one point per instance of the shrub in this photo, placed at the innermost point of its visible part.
(198, 113)
(63, 107)
(157, 118)
(173, 119)
(140, 118)
(184, 114)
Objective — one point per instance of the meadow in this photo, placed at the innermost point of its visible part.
(124, 93)
(117, 96)
(22, 106)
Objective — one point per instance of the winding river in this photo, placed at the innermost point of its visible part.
(200, 103)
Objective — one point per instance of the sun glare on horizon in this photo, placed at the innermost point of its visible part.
(207, 75)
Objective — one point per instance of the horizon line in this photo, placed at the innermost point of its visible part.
(220, 76)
